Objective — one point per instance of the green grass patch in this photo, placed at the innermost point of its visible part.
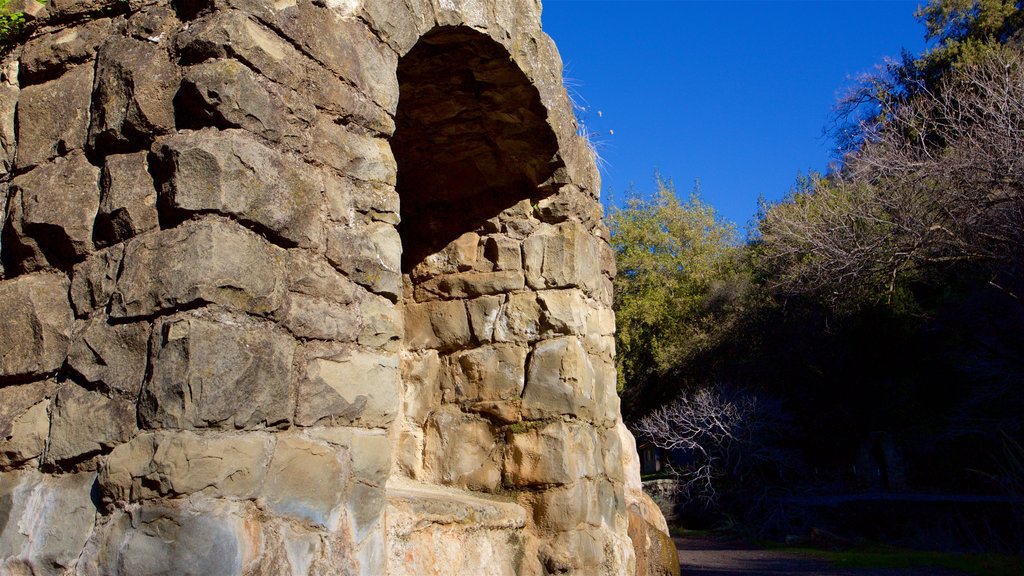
(979, 564)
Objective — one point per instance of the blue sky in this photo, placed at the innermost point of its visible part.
(734, 93)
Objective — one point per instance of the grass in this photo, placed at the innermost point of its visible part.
(978, 564)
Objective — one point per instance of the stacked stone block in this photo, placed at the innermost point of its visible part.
(211, 361)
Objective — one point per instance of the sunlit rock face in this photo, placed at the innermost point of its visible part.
(296, 287)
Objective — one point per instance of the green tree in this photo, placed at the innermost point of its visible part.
(680, 280)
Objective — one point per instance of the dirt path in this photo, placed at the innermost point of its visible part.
(716, 557)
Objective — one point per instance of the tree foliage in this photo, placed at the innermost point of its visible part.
(937, 179)
(679, 281)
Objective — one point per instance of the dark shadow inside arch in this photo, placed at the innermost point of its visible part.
(471, 138)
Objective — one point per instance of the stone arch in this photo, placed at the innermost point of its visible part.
(471, 138)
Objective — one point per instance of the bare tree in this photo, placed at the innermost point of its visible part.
(940, 180)
(709, 428)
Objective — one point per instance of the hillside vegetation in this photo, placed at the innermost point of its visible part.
(872, 321)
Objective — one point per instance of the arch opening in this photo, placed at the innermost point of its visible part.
(471, 138)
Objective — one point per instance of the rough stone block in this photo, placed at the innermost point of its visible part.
(438, 325)
(555, 453)
(562, 256)
(370, 255)
(53, 117)
(569, 507)
(320, 319)
(519, 319)
(347, 386)
(307, 480)
(489, 380)
(354, 154)
(346, 47)
(231, 173)
(94, 279)
(560, 381)
(460, 255)
(565, 312)
(218, 372)
(462, 451)
(470, 285)
(111, 357)
(504, 253)
(24, 421)
(85, 423)
(128, 199)
(483, 316)
(59, 201)
(50, 55)
(231, 33)
(225, 93)
(201, 261)
(175, 464)
(35, 324)
(46, 522)
(133, 100)
(383, 324)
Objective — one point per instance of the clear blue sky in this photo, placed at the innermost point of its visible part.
(737, 94)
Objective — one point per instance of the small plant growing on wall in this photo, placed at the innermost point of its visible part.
(12, 24)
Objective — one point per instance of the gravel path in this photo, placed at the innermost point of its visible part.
(715, 557)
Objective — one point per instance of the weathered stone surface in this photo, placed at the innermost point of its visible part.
(201, 261)
(9, 91)
(24, 421)
(435, 531)
(93, 280)
(135, 85)
(555, 453)
(46, 521)
(58, 204)
(357, 155)
(111, 357)
(383, 325)
(483, 316)
(437, 325)
(461, 451)
(560, 380)
(128, 199)
(218, 372)
(157, 539)
(35, 324)
(488, 380)
(231, 34)
(565, 312)
(504, 253)
(173, 464)
(53, 117)
(50, 55)
(231, 173)
(306, 480)
(347, 386)
(422, 384)
(85, 423)
(570, 507)
(656, 553)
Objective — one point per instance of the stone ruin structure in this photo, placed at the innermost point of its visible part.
(296, 287)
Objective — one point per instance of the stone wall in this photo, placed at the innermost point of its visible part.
(304, 287)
